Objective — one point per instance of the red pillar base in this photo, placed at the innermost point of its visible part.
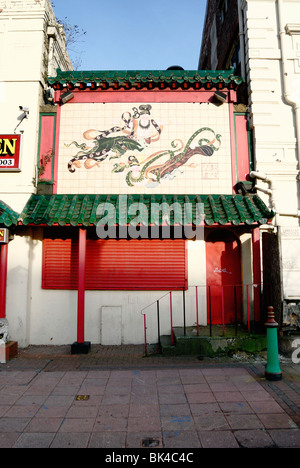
(81, 348)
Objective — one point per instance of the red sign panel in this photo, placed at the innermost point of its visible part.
(10, 151)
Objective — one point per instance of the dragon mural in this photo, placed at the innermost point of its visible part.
(135, 136)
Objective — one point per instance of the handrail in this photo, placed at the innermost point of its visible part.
(209, 312)
(154, 302)
(158, 322)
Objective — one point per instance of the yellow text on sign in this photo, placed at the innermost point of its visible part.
(8, 146)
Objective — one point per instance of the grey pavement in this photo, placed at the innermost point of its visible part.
(115, 398)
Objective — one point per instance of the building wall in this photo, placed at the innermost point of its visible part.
(31, 46)
(269, 40)
(272, 70)
(49, 317)
(221, 22)
(117, 318)
(39, 316)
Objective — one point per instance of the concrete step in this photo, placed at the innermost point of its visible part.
(187, 342)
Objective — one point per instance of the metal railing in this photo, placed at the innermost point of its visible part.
(250, 295)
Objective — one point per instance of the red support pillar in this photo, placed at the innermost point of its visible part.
(256, 273)
(3, 279)
(81, 286)
(81, 346)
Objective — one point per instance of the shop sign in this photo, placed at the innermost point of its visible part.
(3, 236)
(10, 151)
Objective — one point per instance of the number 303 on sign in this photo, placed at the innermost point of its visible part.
(7, 162)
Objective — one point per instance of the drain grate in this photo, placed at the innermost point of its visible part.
(150, 442)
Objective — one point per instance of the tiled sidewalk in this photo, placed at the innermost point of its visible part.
(178, 406)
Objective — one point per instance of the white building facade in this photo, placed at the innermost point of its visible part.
(32, 47)
(153, 140)
(271, 36)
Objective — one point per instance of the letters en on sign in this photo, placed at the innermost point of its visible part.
(3, 236)
(10, 149)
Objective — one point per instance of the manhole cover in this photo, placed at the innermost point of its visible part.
(150, 442)
(82, 397)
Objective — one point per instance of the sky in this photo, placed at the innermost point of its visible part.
(135, 34)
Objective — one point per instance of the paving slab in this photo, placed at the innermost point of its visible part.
(116, 398)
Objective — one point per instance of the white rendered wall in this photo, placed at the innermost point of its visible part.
(18, 285)
(25, 60)
(49, 317)
(273, 119)
(24, 41)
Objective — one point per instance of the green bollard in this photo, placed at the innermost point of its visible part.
(273, 371)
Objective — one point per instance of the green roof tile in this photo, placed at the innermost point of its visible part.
(8, 217)
(134, 78)
(82, 209)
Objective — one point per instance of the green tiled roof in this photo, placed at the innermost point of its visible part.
(149, 78)
(8, 217)
(82, 209)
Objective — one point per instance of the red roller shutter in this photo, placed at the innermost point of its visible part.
(60, 264)
(117, 264)
(136, 264)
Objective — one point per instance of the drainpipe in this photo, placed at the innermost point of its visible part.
(292, 97)
(242, 39)
(266, 178)
(266, 191)
(275, 227)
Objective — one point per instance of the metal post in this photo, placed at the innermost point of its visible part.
(209, 310)
(158, 322)
(145, 334)
(223, 316)
(184, 324)
(197, 314)
(171, 319)
(248, 308)
(273, 371)
(235, 310)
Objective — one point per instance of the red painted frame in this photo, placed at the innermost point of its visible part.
(3, 278)
(56, 149)
(164, 96)
(91, 96)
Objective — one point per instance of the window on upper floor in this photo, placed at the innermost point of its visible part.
(235, 61)
(223, 9)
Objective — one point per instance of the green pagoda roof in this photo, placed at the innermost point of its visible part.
(77, 210)
(127, 79)
(8, 217)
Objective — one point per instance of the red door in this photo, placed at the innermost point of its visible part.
(223, 276)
